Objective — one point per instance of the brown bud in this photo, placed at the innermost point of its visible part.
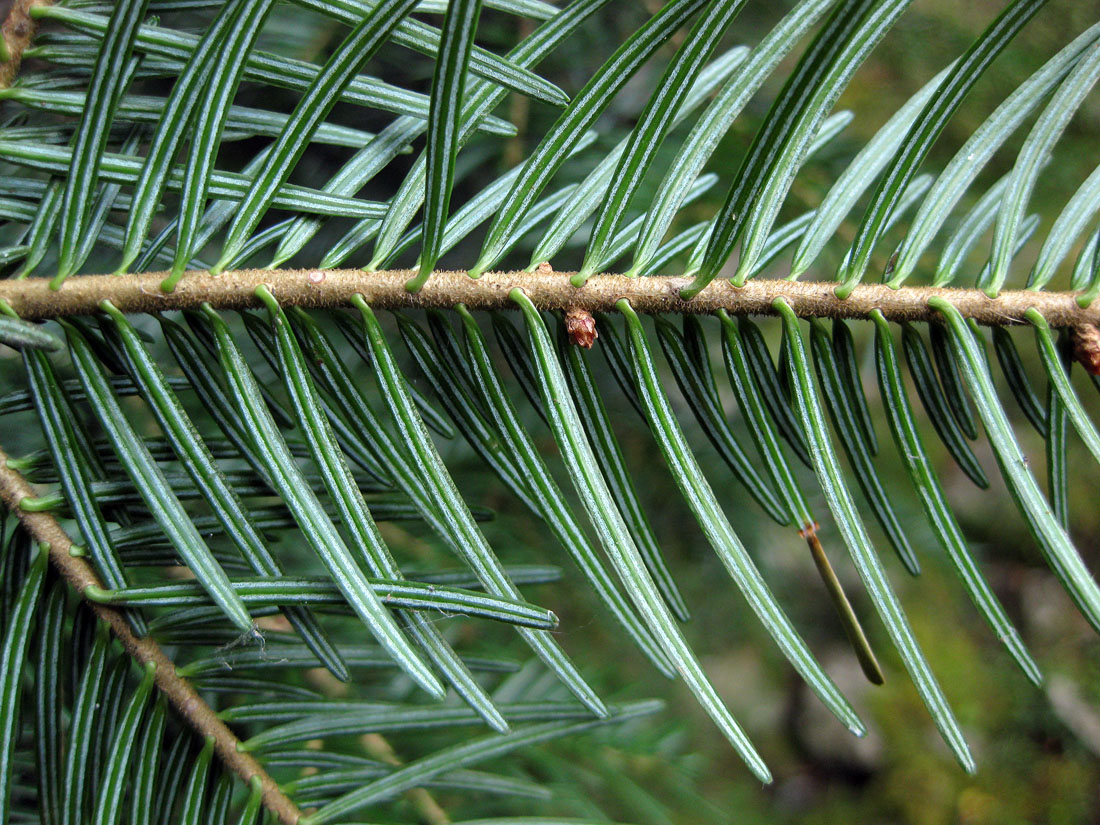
(581, 327)
(545, 269)
(809, 530)
(1086, 347)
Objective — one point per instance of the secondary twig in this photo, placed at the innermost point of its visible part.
(18, 31)
(43, 527)
(33, 299)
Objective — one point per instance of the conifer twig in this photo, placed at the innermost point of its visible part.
(18, 30)
(43, 527)
(33, 299)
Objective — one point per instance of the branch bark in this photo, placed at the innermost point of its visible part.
(18, 31)
(34, 300)
(198, 714)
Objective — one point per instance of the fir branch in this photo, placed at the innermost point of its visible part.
(33, 299)
(43, 527)
(18, 31)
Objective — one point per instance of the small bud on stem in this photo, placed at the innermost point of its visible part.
(581, 327)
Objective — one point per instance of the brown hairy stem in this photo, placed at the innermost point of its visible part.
(18, 30)
(33, 299)
(43, 527)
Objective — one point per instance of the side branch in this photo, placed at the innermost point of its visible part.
(18, 30)
(34, 300)
(199, 715)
